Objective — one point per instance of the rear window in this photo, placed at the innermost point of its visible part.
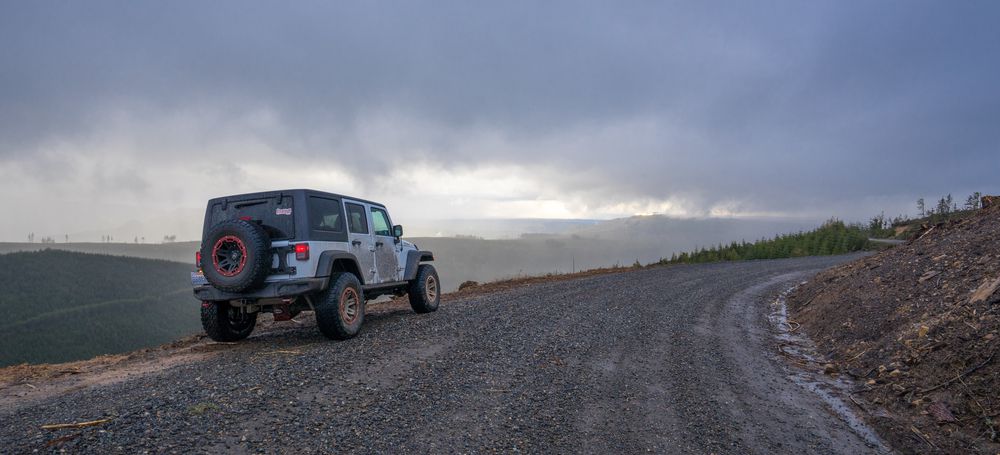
(325, 214)
(274, 215)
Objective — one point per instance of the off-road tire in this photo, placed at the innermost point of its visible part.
(223, 322)
(340, 309)
(236, 255)
(425, 290)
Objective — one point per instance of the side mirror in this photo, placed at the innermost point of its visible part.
(397, 231)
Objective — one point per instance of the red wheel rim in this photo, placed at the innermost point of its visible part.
(229, 255)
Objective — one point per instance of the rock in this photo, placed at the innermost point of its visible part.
(985, 290)
(829, 369)
(895, 373)
(922, 331)
(928, 275)
(468, 284)
(941, 412)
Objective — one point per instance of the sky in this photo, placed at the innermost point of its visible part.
(128, 116)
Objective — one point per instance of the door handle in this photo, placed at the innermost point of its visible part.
(356, 242)
(378, 244)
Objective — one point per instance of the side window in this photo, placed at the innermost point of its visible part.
(381, 221)
(325, 214)
(357, 222)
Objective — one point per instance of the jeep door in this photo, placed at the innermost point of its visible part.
(386, 249)
(360, 238)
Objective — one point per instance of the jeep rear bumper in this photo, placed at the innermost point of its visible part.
(273, 290)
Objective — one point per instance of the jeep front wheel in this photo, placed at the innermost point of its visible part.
(425, 290)
(340, 310)
(224, 322)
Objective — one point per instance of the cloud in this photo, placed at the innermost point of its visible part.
(575, 109)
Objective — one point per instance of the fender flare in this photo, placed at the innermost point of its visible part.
(413, 260)
(327, 258)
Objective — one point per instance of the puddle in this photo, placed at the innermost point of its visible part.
(799, 348)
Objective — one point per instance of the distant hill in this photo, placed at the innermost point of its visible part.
(60, 305)
(492, 228)
(685, 233)
(178, 252)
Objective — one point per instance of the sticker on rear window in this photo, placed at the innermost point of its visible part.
(287, 211)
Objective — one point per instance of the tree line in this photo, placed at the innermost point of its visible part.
(833, 237)
(104, 239)
(947, 206)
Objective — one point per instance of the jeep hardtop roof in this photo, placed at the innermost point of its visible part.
(279, 227)
(276, 193)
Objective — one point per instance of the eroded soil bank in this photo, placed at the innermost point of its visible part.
(918, 327)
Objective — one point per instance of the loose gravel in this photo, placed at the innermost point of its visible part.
(672, 360)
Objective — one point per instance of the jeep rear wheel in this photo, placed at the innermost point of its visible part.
(340, 310)
(224, 322)
(425, 290)
(236, 255)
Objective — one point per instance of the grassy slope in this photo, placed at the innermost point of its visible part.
(61, 305)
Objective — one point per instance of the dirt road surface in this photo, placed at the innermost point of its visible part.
(671, 360)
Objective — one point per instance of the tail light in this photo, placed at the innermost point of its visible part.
(197, 259)
(302, 251)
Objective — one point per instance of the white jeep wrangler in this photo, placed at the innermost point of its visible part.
(283, 252)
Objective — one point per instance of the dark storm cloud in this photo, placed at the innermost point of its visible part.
(783, 106)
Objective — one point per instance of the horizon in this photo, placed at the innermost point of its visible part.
(484, 228)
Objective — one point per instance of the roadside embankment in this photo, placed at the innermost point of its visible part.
(918, 326)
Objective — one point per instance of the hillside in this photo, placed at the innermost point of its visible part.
(919, 326)
(60, 306)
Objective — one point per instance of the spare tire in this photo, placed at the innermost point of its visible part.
(236, 255)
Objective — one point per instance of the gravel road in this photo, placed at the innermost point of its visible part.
(671, 360)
